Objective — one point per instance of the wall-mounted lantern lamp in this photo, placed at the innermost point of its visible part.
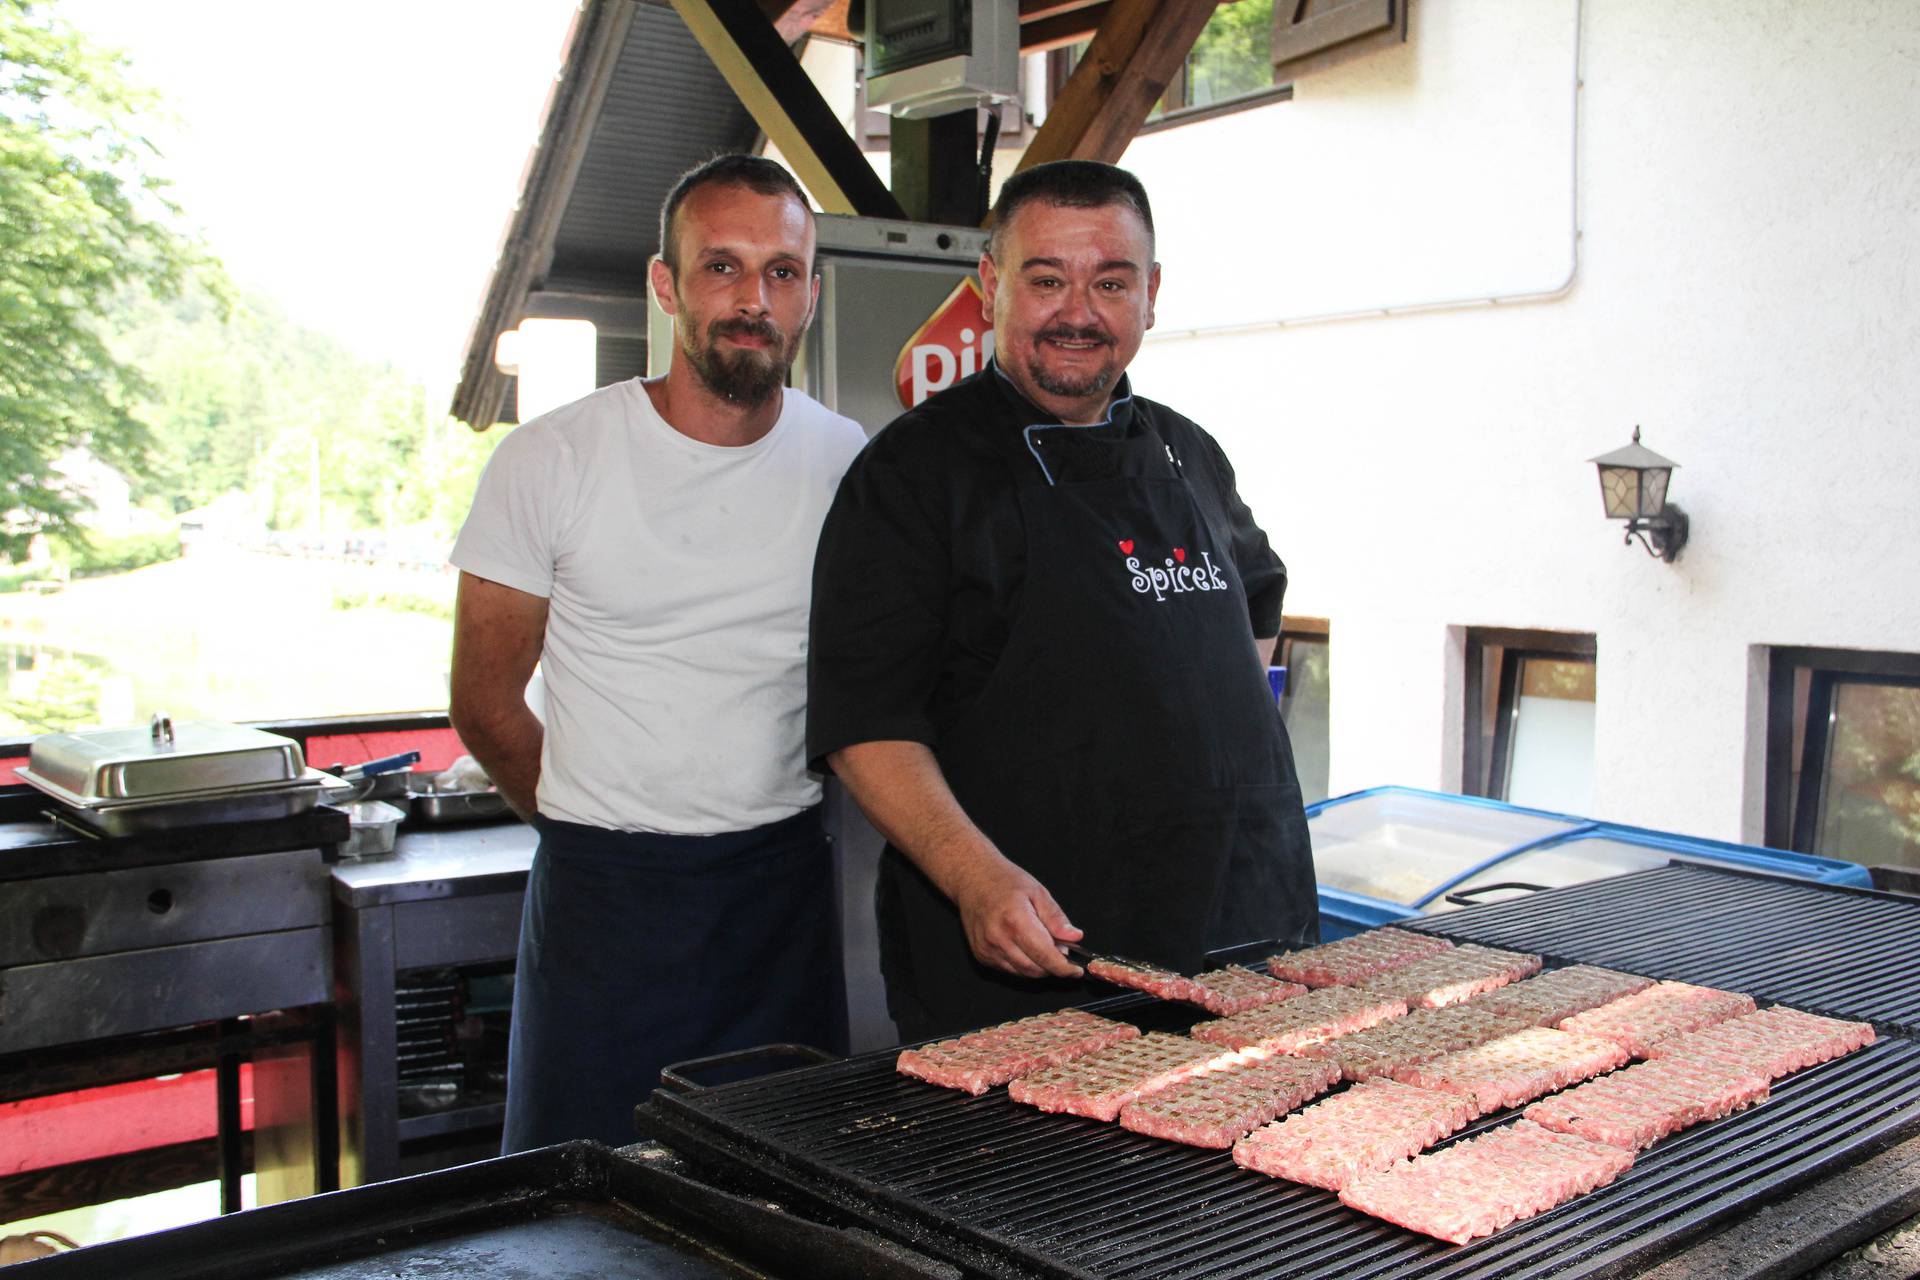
(1633, 484)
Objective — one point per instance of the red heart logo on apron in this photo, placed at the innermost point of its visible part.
(1126, 546)
(1180, 554)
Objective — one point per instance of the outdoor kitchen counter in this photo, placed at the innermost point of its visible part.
(448, 898)
(440, 862)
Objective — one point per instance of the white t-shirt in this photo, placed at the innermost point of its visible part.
(678, 576)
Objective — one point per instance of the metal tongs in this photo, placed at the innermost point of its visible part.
(1085, 957)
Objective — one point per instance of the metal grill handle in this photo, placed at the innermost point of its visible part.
(674, 1074)
(1466, 897)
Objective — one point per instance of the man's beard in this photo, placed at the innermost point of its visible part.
(1073, 388)
(744, 375)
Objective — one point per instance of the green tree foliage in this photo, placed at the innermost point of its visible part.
(84, 222)
(244, 400)
(1232, 55)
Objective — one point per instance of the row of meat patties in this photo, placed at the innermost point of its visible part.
(1404, 1039)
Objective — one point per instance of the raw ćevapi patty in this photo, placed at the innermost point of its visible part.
(982, 1059)
(1293, 1024)
(1214, 1109)
(1453, 976)
(1369, 1127)
(1640, 1021)
(1100, 1083)
(1342, 963)
(1476, 1187)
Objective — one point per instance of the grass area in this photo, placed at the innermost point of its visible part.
(235, 635)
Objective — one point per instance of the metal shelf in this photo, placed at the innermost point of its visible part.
(453, 1120)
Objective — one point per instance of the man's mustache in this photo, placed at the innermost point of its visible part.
(1067, 333)
(741, 327)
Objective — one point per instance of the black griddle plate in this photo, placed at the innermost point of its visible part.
(572, 1212)
(1011, 1192)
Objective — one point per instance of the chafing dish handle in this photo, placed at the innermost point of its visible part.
(674, 1075)
(161, 727)
(1465, 897)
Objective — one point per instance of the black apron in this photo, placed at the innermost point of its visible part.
(640, 950)
(1126, 751)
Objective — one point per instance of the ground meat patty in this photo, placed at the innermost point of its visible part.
(1141, 976)
(1476, 1187)
(1646, 1102)
(1346, 961)
(1774, 1042)
(1453, 976)
(982, 1059)
(1292, 1024)
(1422, 1034)
(1516, 1068)
(1369, 1127)
(1100, 1083)
(1235, 990)
(1645, 1018)
(1546, 1000)
(1217, 1108)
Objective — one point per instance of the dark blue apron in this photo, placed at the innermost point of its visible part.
(638, 950)
(1126, 751)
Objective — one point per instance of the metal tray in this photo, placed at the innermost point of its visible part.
(160, 761)
(142, 817)
(438, 808)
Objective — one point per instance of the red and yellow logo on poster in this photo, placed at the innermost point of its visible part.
(953, 344)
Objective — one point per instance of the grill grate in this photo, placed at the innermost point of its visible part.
(1014, 1193)
(1846, 953)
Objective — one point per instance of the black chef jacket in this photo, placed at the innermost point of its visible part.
(923, 555)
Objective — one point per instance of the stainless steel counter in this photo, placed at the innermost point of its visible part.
(449, 897)
(440, 862)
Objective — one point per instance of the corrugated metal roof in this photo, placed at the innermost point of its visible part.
(666, 110)
(637, 104)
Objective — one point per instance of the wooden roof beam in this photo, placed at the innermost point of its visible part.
(761, 70)
(1134, 54)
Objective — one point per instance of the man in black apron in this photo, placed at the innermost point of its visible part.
(1042, 616)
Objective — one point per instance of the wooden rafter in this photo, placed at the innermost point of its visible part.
(1058, 30)
(762, 71)
(1136, 51)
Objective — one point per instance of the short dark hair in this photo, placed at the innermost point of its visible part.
(1077, 184)
(755, 173)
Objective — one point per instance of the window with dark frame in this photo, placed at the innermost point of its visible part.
(1843, 754)
(1528, 719)
(1305, 703)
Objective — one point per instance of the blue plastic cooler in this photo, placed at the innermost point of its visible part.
(1390, 853)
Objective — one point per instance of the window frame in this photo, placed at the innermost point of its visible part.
(1315, 631)
(1483, 763)
(1792, 806)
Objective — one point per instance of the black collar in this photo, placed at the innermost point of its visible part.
(1024, 413)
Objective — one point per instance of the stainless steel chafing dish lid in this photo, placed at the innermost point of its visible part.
(164, 760)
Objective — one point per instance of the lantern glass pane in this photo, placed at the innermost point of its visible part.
(1620, 490)
(1653, 491)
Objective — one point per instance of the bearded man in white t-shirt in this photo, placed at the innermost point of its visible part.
(650, 547)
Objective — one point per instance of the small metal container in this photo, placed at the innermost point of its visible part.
(375, 823)
(437, 807)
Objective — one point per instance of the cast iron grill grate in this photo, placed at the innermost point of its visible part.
(1060, 1196)
(1013, 1192)
(1846, 953)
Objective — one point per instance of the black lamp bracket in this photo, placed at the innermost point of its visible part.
(1663, 535)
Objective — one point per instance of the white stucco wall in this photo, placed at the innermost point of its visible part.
(1747, 289)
